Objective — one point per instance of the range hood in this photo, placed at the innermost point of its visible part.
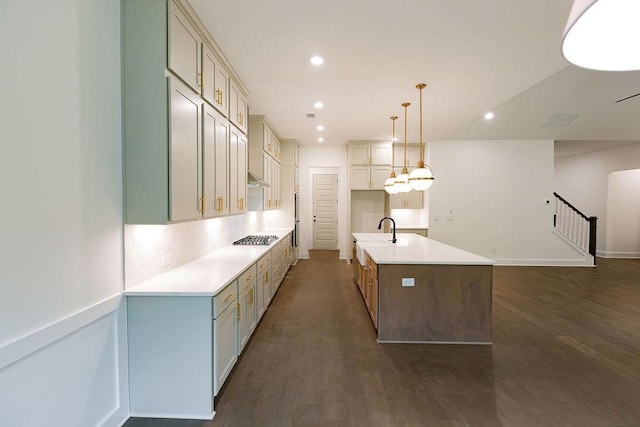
(253, 181)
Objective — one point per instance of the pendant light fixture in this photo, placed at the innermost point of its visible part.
(603, 35)
(390, 183)
(402, 180)
(421, 177)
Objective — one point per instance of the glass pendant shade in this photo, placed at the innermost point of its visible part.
(390, 185)
(421, 178)
(402, 182)
(603, 35)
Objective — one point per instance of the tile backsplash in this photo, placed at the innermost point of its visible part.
(151, 250)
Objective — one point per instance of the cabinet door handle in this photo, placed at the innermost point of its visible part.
(201, 210)
(200, 80)
(238, 308)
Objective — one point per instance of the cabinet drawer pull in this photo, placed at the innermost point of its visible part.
(249, 278)
(229, 297)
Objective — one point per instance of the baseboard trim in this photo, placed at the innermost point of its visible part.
(630, 255)
(177, 416)
(30, 343)
(544, 262)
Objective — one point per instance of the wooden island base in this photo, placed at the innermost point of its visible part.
(448, 304)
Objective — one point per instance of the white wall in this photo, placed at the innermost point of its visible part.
(323, 159)
(146, 245)
(583, 180)
(491, 194)
(623, 214)
(61, 214)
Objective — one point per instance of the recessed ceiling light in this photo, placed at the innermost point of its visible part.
(318, 105)
(394, 139)
(316, 60)
(488, 116)
(320, 127)
(321, 139)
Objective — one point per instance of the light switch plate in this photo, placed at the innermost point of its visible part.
(408, 281)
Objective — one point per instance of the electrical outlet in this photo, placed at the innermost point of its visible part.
(165, 260)
(408, 281)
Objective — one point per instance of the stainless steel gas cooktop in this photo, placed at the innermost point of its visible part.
(257, 239)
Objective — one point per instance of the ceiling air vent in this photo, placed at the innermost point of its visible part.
(559, 120)
(310, 115)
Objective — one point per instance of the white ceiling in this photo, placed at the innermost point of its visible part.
(496, 55)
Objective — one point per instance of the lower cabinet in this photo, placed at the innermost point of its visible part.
(225, 338)
(263, 284)
(183, 348)
(372, 292)
(366, 277)
(246, 307)
(171, 349)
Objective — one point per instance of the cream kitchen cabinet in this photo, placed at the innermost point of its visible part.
(238, 111)
(413, 156)
(290, 153)
(263, 137)
(167, 168)
(225, 334)
(368, 177)
(264, 153)
(263, 284)
(215, 155)
(238, 171)
(185, 152)
(410, 200)
(246, 306)
(171, 373)
(215, 81)
(184, 47)
(369, 154)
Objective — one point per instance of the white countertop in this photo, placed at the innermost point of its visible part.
(414, 249)
(209, 275)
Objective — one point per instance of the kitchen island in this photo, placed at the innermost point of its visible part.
(420, 290)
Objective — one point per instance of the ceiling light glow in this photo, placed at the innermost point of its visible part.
(321, 139)
(318, 105)
(320, 127)
(488, 116)
(603, 35)
(316, 60)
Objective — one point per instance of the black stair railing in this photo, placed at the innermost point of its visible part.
(575, 225)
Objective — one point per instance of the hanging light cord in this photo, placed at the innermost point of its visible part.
(421, 164)
(405, 105)
(393, 137)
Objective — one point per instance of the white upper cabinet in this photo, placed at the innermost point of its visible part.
(215, 159)
(368, 177)
(184, 48)
(215, 81)
(238, 172)
(176, 130)
(410, 200)
(413, 155)
(377, 153)
(184, 166)
(237, 106)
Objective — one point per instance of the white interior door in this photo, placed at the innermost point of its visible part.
(325, 212)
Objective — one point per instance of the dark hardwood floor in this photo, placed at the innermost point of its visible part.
(566, 353)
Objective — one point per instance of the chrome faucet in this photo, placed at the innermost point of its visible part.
(394, 227)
